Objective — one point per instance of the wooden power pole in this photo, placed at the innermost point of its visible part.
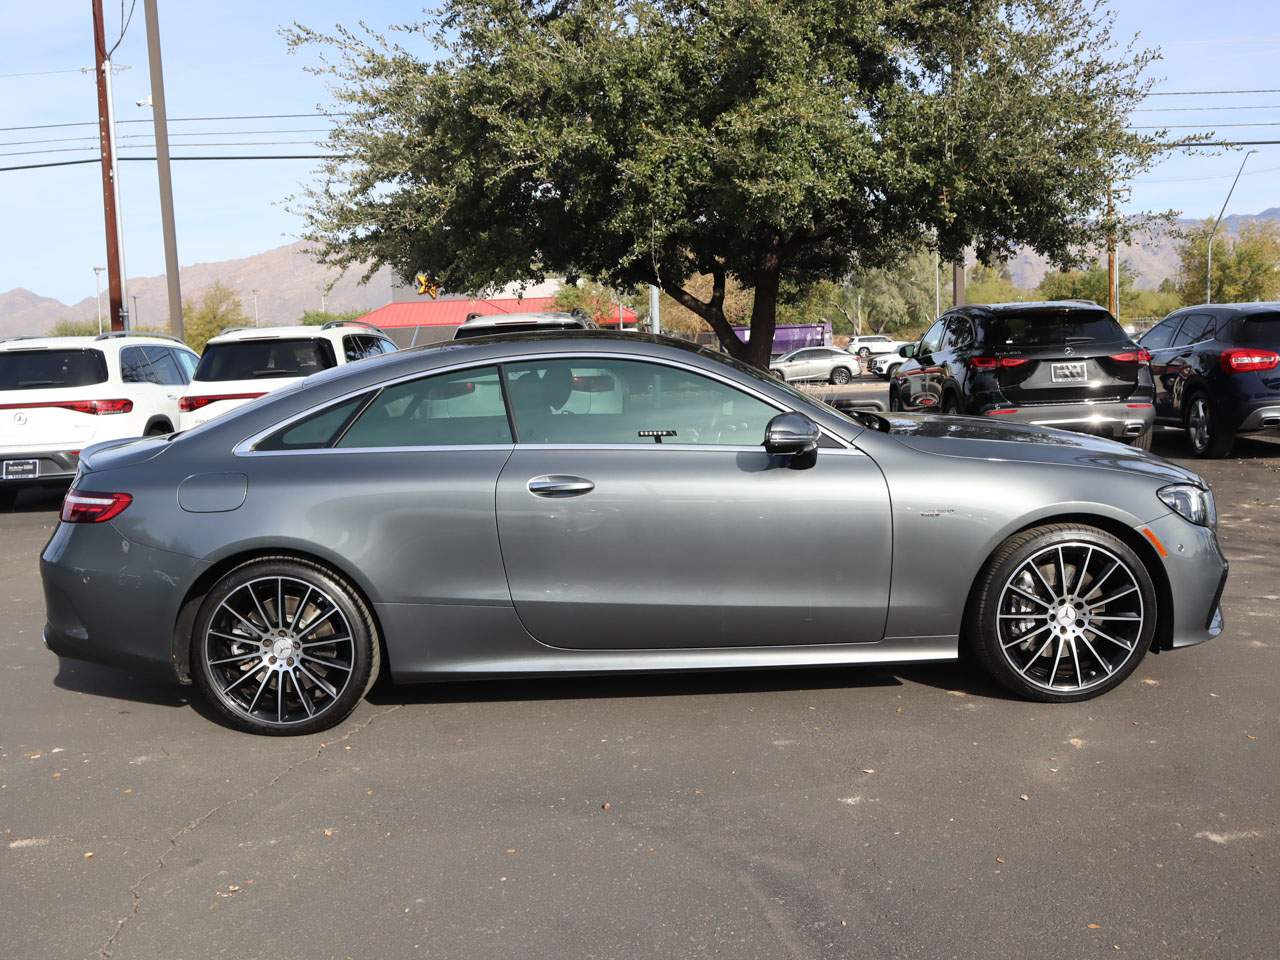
(1113, 292)
(115, 287)
(161, 120)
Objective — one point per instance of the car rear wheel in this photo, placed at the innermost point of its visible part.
(284, 647)
(1062, 613)
(1210, 439)
(1143, 442)
(864, 352)
(840, 376)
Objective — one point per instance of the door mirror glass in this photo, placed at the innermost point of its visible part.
(907, 350)
(790, 435)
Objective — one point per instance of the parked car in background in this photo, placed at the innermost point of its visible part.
(58, 395)
(885, 365)
(1215, 369)
(460, 511)
(489, 324)
(828, 364)
(1065, 364)
(242, 364)
(873, 344)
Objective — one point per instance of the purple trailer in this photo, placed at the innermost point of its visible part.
(793, 336)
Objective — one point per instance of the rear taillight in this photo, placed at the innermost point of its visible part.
(96, 407)
(1246, 359)
(990, 363)
(1133, 356)
(81, 506)
(188, 404)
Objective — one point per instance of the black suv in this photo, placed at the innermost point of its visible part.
(1065, 364)
(1216, 370)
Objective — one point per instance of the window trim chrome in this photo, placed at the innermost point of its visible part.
(245, 448)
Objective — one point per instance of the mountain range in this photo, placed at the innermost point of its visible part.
(288, 282)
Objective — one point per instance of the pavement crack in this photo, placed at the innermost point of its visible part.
(174, 839)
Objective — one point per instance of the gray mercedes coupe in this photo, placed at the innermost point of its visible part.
(595, 503)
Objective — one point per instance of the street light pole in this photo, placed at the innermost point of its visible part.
(97, 280)
(161, 121)
(1208, 273)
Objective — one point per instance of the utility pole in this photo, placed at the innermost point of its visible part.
(255, 306)
(110, 182)
(937, 286)
(1208, 273)
(161, 121)
(97, 279)
(957, 282)
(1113, 292)
(655, 310)
(133, 317)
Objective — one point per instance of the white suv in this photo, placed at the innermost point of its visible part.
(873, 344)
(60, 394)
(242, 364)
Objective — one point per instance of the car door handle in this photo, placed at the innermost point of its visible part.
(559, 485)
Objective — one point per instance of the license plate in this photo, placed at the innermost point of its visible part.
(19, 470)
(1073, 372)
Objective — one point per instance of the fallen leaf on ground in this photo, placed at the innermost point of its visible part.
(1095, 926)
(1250, 736)
(606, 806)
(868, 770)
(88, 854)
(1151, 681)
(329, 831)
(1023, 797)
(1076, 742)
(999, 859)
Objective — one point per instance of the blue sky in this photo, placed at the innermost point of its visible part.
(228, 58)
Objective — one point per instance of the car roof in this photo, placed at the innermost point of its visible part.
(499, 319)
(295, 332)
(1028, 305)
(99, 342)
(1243, 309)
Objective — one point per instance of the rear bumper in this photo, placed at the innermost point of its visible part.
(1197, 574)
(1262, 418)
(1116, 419)
(50, 464)
(112, 601)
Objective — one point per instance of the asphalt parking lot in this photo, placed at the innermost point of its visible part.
(833, 813)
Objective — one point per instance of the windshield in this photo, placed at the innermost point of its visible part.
(1053, 327)
(51, 369)
(1262, 330)
(260, 359)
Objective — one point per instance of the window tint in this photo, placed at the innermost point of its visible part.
(445, 410)
(386, 346)
(1161, 335)
(628, 401)
(49, 369)
(259, 359)
(931, 342)
(1261, 330)
(133, 366)
(187, 361)
(1198, 326)
(959, 334)
(162, 367)
(315, 431)
(1054, 326)
(353, 348)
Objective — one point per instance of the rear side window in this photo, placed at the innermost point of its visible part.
(449, 409)
(318, 430)
(1053, 327)
(261, 359)
(188, 362)
(1161, 335)
(1261, 330)
(51, 369)
(1199, 326)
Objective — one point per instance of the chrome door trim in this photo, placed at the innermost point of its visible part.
(245, 448)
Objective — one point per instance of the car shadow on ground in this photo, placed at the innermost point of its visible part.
(1172, 444)
(41, 499)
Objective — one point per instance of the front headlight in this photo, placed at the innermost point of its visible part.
(1192, 502)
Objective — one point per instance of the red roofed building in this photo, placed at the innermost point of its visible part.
(436, 320)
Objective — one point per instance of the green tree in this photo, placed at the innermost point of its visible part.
(1244, 269)
(772, 144)
(318, 318)
(993, 284)
(75, 328)
(217, 309)
(593, 300)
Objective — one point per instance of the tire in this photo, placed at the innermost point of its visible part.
(1037, 651)
(1209, 437)
(1143, 442)
(8, 496)
(895, 405)
(840, 376)
(240, 641)
(779, 375)
(863, 353)
(950, 405)
(162, 429)
(891, 371)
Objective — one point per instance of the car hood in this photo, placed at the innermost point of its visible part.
(980, 438)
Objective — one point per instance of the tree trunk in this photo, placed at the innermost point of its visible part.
(764, 314)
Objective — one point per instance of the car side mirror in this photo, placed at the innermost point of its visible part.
(791, 435)
(907, 350)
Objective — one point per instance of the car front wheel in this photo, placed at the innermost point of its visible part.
(1062, 613)
(1210, 437)
(283, 647)
(840, 376)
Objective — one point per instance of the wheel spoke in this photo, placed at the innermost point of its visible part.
(327, 663)
(1025, 637)
(1104, 636)
(297, 611)
(266, 621)
(232, 637)
(280, 602)
(1038, 655)
(279, 697)
(1084, 568)
(322, 684)
(1040, 576)
(1075, 658)
(248, 623)
(306, 701)
(1105, 666)
(1115, 596)
(266, 678)
(1097, 584)
(316, 622)
(243, 677)
(236, 659)
(327, 642)
(1018, 590)
(1057, 657)
(1128, 619)
(1062, 576)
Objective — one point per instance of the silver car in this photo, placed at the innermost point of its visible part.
(595, 503)
(828, 364)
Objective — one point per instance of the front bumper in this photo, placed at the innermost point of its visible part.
(1197, 575)
(1115, 419)
(50, 464)
(112, 601)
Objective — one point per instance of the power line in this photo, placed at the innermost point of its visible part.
(124, 26)
(1201, 126)
(1206, 93)
(261, 156)
(1227, 176)
(191, 133)
(1261, 106)
(245, 116)
(143, 146)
